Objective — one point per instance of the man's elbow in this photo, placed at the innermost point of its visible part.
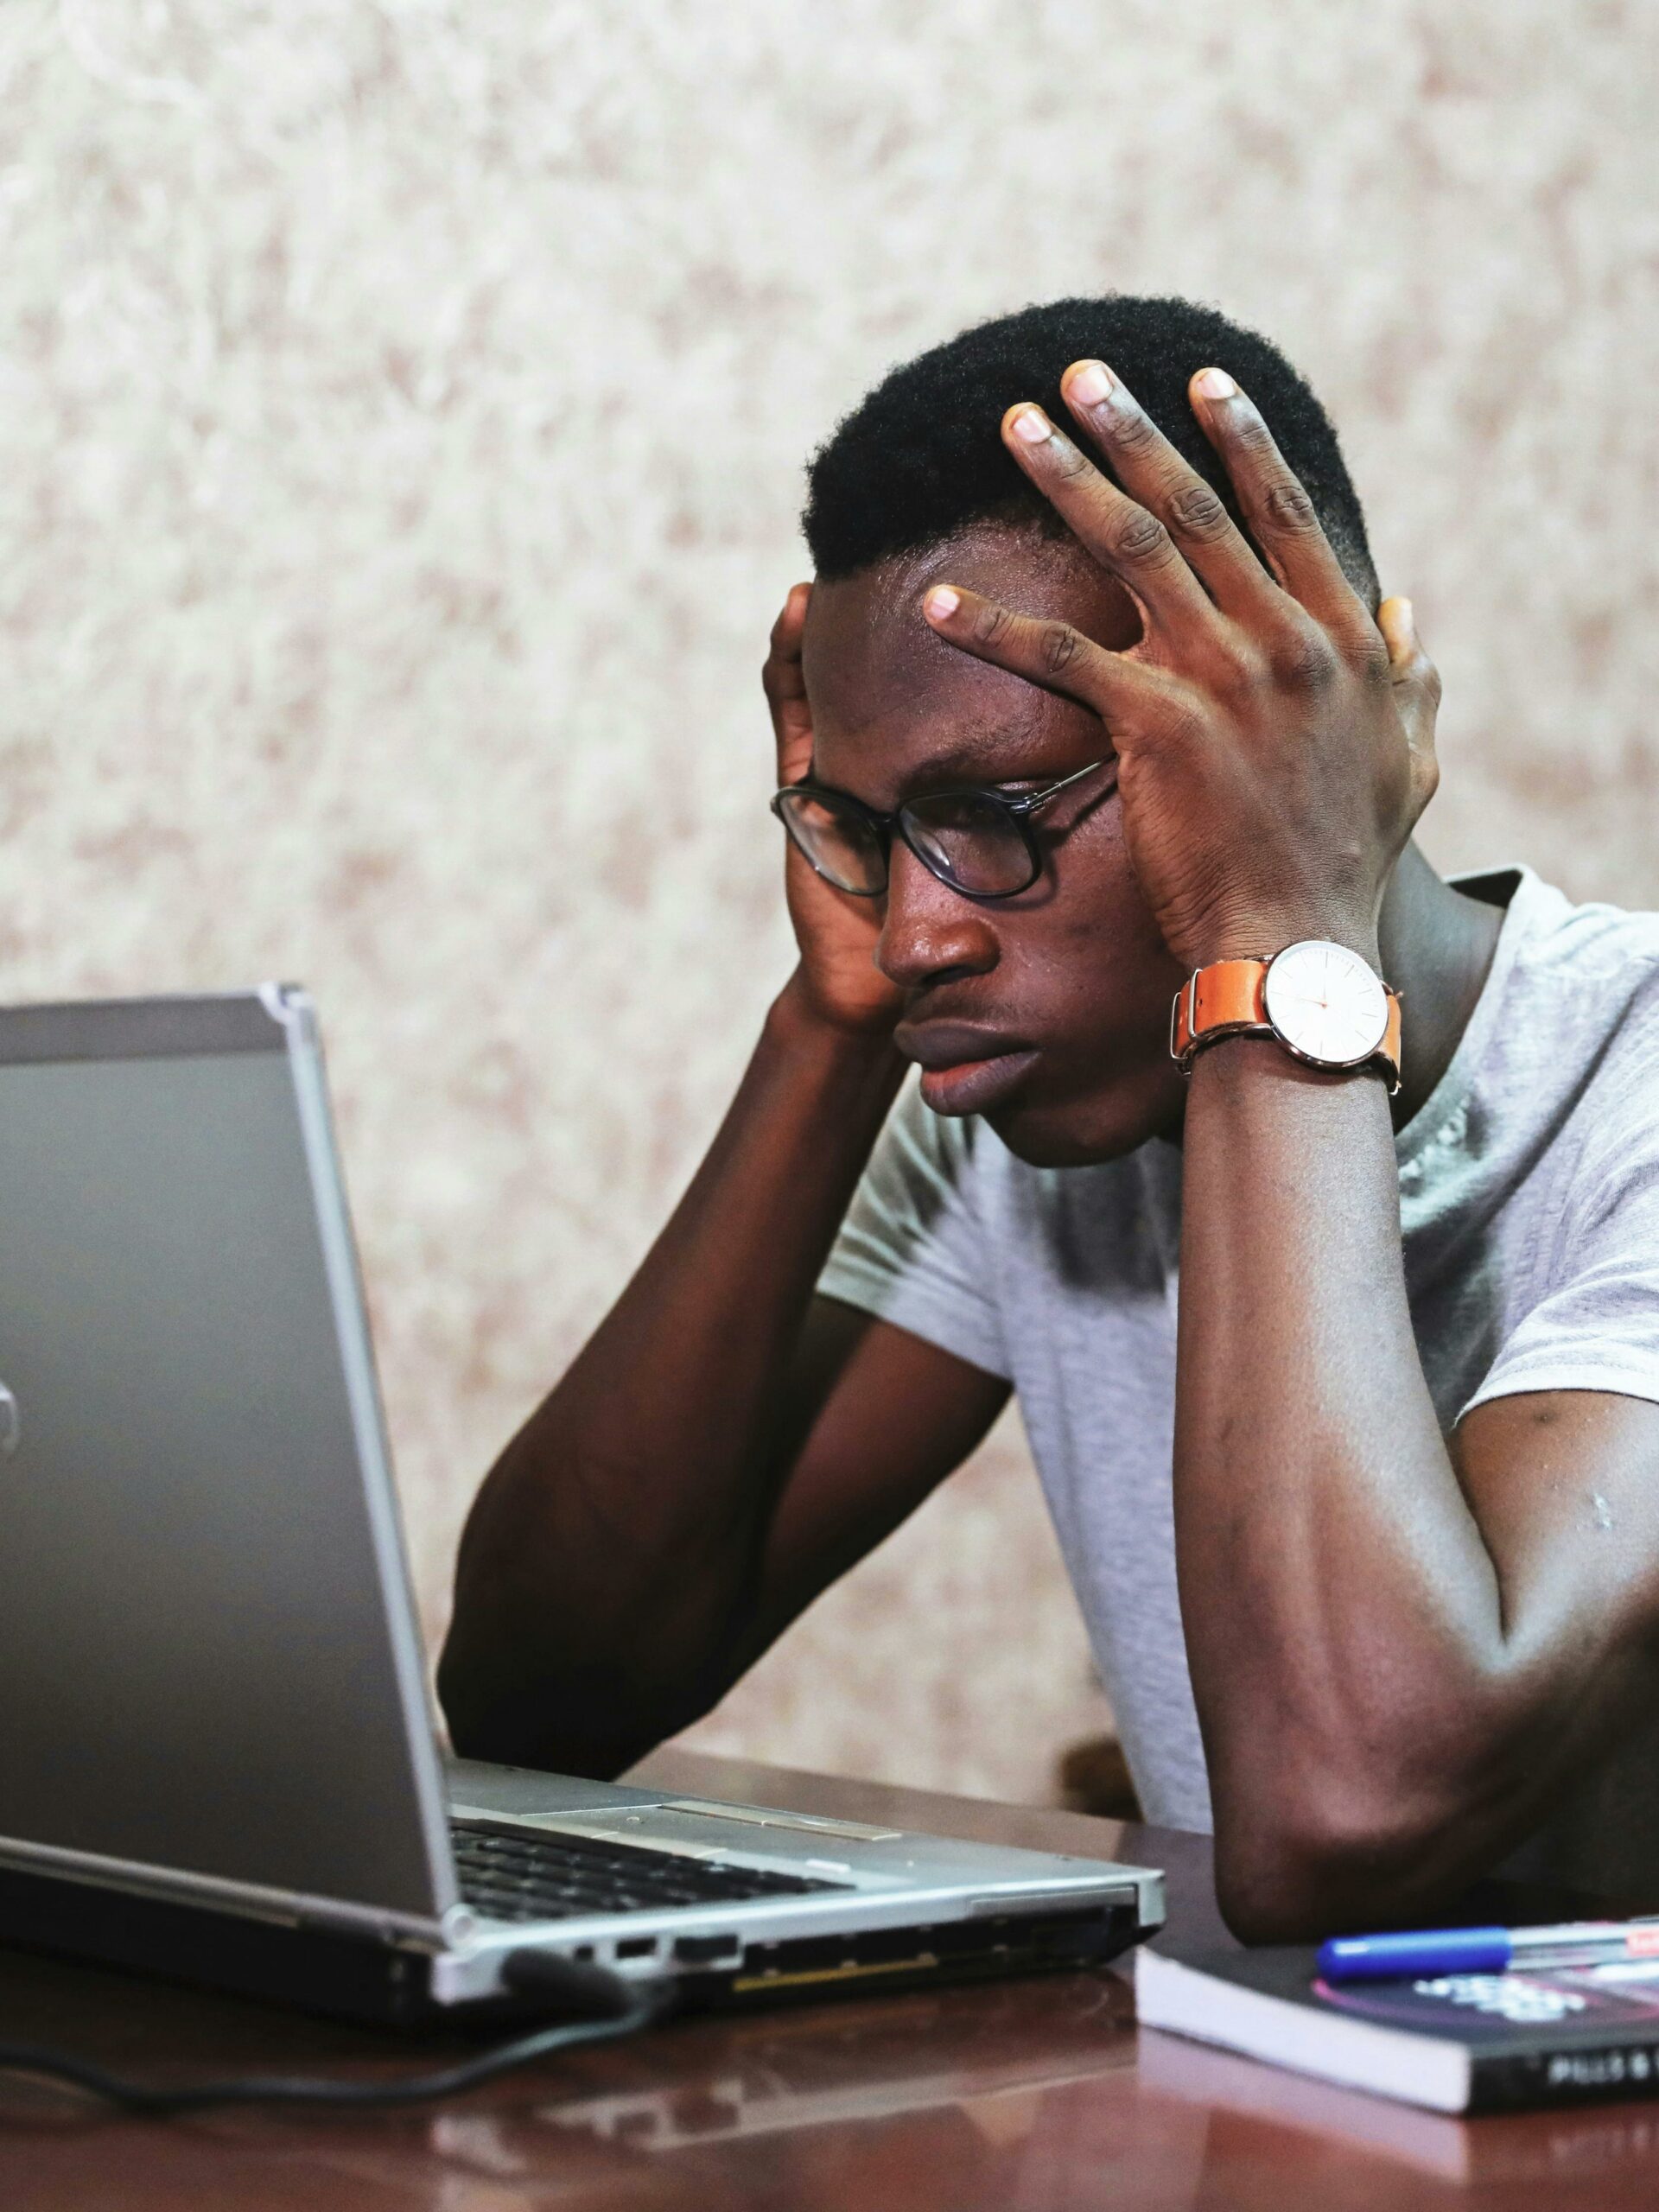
(483, 1722)
(518, 1726)
(1280, 1888)
(478, 1723)
(561, 1714)
(506, 1699)
(1342, 1856)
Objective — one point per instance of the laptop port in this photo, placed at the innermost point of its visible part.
(636, 1946)
(704, 1950)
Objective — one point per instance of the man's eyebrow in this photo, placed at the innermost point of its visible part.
(964, 764)
(999, 757)
(992, 759)
(978, 762)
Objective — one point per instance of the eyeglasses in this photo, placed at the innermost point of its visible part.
(977, 841)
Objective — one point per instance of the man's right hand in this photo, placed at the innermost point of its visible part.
(838, 981)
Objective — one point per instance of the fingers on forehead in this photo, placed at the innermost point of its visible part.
(1044, 651)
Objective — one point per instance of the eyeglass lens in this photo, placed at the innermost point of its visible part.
(964, 837)
(840, 844)
(968, 840)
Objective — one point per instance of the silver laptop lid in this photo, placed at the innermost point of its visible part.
(211, 1680)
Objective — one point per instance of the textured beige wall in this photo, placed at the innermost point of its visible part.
(400, 414)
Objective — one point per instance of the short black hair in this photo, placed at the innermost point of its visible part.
(921, 458)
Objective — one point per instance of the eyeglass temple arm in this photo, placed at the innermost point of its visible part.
(1026, 806)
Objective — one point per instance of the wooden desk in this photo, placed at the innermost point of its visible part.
(1035, 2096)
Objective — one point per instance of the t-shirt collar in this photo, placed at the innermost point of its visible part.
(1526, 892)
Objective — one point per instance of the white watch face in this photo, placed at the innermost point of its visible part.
(1325, 1003)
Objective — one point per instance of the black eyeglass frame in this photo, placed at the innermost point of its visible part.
(1016, 811)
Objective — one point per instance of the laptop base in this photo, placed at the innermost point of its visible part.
(346, 1977)
(314, 1968)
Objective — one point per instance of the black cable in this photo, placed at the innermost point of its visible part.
(628, 2009)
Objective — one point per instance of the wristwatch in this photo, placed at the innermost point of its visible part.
(1321, 1001)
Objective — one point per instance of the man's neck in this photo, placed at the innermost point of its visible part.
(1437, 945)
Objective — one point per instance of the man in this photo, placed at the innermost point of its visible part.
(1364, 1522)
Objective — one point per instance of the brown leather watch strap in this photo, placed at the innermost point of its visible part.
(1227, 1000)
(1223, 999)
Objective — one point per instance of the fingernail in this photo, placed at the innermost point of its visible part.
(1032, 426)
(1216, 384)
(943, 603)
(1088, 383)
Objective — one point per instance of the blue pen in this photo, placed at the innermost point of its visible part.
(1485, 1950)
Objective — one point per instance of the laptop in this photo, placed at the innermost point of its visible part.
(218, 1755)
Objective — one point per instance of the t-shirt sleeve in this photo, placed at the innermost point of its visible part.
(912, 1249)
(1596, 1326)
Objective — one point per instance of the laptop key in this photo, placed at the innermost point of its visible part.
(521, 1877)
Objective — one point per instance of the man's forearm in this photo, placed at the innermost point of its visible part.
(1342, 1611)
(610, 1544)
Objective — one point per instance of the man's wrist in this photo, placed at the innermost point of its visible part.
(1247, 1053)
(1262, 939)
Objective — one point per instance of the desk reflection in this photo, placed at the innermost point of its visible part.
(1553, 2155)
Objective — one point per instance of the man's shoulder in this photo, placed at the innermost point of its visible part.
(1581, 1030)
(1589, 945)
(1577, 986)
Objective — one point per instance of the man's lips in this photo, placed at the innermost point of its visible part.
(965, 1069)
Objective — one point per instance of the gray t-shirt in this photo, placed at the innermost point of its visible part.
(1529, 1210)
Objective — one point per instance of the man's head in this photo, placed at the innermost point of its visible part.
(916, 486)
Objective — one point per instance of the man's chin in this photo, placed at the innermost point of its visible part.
(1085, 1132)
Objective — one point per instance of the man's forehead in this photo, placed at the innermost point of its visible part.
(880, 681)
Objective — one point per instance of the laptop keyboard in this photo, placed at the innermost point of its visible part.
(516, 1875)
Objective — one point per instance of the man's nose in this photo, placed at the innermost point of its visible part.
(930, 931)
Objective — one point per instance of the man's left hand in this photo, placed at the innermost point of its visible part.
(1275, 741)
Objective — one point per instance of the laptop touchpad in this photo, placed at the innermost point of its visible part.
(522, 1793)
(727, 1827)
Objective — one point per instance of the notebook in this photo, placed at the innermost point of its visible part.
(1454, 2043)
